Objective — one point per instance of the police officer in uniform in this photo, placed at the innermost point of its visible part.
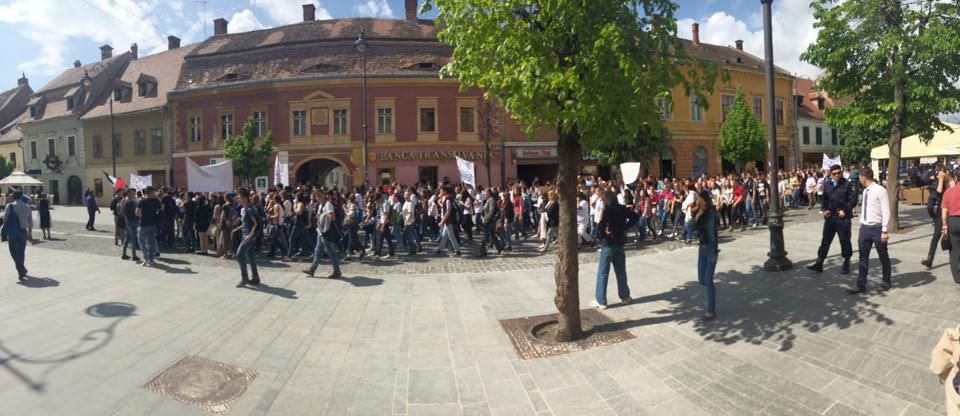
(939, 179)
(839, 199)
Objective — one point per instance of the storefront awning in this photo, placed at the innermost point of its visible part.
(944, 143)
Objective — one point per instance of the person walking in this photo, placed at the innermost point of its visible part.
(327, 237)
(707, 225)
(938, 185)
(92, 210)
(246, 254)
(43, 209)
(838, 202)
(408, 215)
(950, 223)
(874, 218)
(490, 215)
(552, 213)
(127, 210)
(149, 211)
(614, 223)
(448, 222)
(17, 230)
(203, 218)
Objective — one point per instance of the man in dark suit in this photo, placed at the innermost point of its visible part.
(839, 199)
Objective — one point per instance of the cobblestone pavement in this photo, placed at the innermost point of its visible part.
(86, 332)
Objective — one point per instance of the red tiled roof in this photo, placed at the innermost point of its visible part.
(809, 108)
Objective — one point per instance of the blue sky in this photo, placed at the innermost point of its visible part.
(44, 37)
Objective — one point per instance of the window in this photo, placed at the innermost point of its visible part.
(33, 150)
(13, 158)
(146, 89)
(466, 119)
(117, 144)
(70, 103)
(97, 147)
(34, 111)
(226, 125)
(156, 141)
(384, 120)
(699, 162)
(299, 123)
(726, 104)
(664, 105)
(260, 122)
(806, 135)
(71, 146)
(195, 129)
(834, 138)
(98, 187)
(779, 110)
(340, 122)
(819, 136)
(428, 120)
(696, 112)
(139, 142)
(51, 147)
(758, 106)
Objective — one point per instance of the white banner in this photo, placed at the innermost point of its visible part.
(281, 172)
(466, 172)
(630, 172)
(210, 178)
(140, 182)
(828, 162)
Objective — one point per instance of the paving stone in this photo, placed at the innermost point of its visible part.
(475, 409)
(506, 393)
(432, 386)
(469, 386)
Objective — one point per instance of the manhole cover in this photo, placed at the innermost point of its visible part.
(600, 331)
(209, 385)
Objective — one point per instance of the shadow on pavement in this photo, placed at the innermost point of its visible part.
(362, 281)
(39, 282)
(277, 291)
(174, 270)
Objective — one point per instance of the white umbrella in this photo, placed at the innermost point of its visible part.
(20, 178)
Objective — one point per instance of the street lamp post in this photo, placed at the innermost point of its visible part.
(361, 46)
(777, 257)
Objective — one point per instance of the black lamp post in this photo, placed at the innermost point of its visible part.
(777, 257)
(361, 46)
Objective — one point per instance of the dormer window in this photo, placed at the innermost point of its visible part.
(34, 111)
(146, 86)
(71, 102)
(122, 93)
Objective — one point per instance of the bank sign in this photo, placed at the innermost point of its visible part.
(434, 155)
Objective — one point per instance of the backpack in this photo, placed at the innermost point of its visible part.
(11, 227)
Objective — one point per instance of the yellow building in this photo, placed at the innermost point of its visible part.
(140, 120)
(13, 110)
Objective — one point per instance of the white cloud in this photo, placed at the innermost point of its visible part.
(115, 22)
(244, 21)
(793, 31)
(283, 12)
(373, 8)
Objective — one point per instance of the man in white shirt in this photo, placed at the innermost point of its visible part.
(408, 216)
(874, 217)
(811, 188)
(583, 218)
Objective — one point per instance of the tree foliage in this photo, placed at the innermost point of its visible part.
(249, 158)
(741, 136)
(6, 168)
(897, 62)
(591, 69)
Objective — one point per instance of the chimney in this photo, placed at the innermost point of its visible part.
(106, 52)
(220, 26)
(134, 51)
(411, 8)
(739, 45)
(23, 81)
(173, 42)
(76, 64)
(309, 12)
(696, 34)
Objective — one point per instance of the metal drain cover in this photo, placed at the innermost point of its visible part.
(209, 385)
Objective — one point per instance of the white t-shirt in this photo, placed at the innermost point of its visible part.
(407, 212)
(323, 217)
(583, 213)
(811, 184)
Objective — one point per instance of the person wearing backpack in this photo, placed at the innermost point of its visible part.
(17, 230)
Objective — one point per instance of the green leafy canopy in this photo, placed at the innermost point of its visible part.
(6, 168)
(249, 158)
(741, 136)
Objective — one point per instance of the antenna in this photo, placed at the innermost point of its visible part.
(204, 5)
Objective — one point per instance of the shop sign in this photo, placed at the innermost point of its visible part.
(431, 155)
(536, 153)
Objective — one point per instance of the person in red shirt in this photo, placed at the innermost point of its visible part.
(950, 218)
(738, 211)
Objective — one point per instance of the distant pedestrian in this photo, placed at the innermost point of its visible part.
(874, 218)
(614, 223)
(149, 212)
(128, 214)
(92, 210)
(43, 209)
(245, 251)
(707, 225)
(17, 230)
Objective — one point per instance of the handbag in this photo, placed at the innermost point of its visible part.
(945, 244)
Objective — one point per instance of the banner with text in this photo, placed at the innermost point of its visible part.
(211, 178)
(828, 161)
(281, 172)
(466, 172)
(140, 182)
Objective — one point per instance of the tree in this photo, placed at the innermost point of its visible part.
(899, 64)
(741, 136)
(857, 144)
(6, 168)
(249, 158)
(589, 69)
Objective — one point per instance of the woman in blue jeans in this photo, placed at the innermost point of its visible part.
(707, 224)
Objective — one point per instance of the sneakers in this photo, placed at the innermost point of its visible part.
(335, 275)
(599, 306)
(308, 272)
(626, 300)
(124, 257)
(385, 257)
(135, 258)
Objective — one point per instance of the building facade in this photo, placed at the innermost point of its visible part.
(137, 116)
(13, 105)
(814, 137)
(53, 135)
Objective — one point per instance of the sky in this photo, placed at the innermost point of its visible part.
(42, 38)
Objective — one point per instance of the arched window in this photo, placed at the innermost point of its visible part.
(699, 162)
(666, 163)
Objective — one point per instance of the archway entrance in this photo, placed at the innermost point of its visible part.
(323, 172)
(74, 191)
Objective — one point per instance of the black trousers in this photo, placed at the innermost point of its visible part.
(91, 214)
(836, 226)
(937, 231)
(870, 238)
(953, 230)
(490, 232)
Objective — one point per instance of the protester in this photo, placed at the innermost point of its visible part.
(874, 217)
(326, 238)
(149, 211)
(615, 221)
(127, 210)
(707, 225)
(17, 230)
(245, 251)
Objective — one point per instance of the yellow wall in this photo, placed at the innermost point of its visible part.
(128, 161)
(7, 148)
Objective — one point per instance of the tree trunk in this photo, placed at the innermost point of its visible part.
(896, 135)
(566, 269)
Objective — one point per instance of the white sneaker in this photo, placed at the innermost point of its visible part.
(385, 256)
(594, 304)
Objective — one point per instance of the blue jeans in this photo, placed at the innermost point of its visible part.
(148, 242)
(869, 238)
(18, 251)
(706, 267)
(688, 230)
(328, 247)
(748, 216)
(411, 239)
(446, 234)
(130, 239)
(615, 255)
(247, 255)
